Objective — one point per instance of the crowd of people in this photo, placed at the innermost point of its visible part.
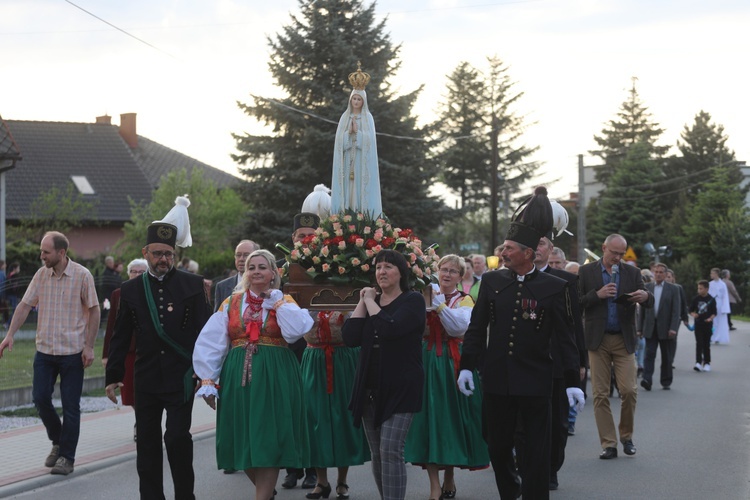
(490, 370)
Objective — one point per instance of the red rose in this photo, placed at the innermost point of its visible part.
(370, 243)
(388, 242)
(405, 233)
(352, 239)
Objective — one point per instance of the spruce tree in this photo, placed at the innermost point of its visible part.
(477, 106)
(310, 61)
(630, 204)
(632, 126)
(716, 228)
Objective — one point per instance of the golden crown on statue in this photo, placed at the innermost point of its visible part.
(359, 79)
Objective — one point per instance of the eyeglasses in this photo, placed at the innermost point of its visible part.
(243, 255)
(159, 254)
(137, 271)
(453, 272)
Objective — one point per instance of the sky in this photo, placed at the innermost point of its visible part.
(182, 65)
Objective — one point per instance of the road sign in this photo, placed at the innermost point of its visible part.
(630, 255)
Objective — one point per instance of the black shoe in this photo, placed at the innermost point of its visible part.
(553, 483)
(628, 447)
(571, 429)
(639, 373)
(342, 491)
(666, 387)
(608, 453)
(310, 481)
(646, 384)
(448, 494)
(324, 492)
(290, 481)
(230, 471)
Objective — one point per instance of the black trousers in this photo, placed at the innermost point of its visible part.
(501, 415)
(665, 347)
(177, 440)
(559, 425)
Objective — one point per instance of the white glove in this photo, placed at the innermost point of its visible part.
(206, 391)
(575, 398)
(437, 299)
(466, 378)
(273, 297)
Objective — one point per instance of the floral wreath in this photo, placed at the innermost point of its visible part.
(344, 245)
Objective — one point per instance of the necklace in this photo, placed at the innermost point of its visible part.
(254, 307)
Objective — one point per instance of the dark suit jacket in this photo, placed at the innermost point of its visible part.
(183, 310)
(668, 317)
(583, 358)
(223, 290)
(595, 309)
(518, 359)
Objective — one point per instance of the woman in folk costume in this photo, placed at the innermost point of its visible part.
(356, 179)
(447, 432)
(328, 372)
(243, 361)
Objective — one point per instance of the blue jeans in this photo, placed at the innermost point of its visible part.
(640, 351)
(70, 369)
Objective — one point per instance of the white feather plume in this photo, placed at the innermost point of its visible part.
(178, 217)
(559, 218)
(318, 202)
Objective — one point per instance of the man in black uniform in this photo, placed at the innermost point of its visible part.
(166, 311)
(524, 309)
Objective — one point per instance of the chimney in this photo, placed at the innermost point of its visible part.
(127, 129)
(104, 120)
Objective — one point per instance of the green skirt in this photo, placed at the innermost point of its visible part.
(263, 423)
(334, 440)
(448, 429)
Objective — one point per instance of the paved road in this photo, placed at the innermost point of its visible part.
(692, 443)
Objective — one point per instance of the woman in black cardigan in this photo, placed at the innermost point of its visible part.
(388, 388)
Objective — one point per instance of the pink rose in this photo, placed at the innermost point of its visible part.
(359, 242)
(326, 268)
(365, 267)
(356, 261)
(342, 245)
(325, 251)
(342, 270)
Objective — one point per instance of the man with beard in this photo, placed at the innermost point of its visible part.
(165, 309)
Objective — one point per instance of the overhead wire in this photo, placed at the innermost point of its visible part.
(121, 30)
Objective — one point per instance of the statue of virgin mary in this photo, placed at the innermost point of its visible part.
(356, 180)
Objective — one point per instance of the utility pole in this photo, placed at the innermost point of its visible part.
(581, 211)
(494, 197)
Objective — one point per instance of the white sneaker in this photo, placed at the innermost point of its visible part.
(698, 367)
(707, 367)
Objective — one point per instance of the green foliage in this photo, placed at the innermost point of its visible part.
(57, 209)
(718, 211)
(630, 205)
(216, 221)
(478, 106)
(462, 229)
(310, 60)
(688, 271)
(633, 126)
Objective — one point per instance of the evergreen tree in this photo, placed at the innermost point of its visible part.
(477, 107)
(703, 147)
(630, 204)
(310, 60)
(717, 213)
(633, 126)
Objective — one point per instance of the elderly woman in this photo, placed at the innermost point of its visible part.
(388, 325)
(135, 269)
(328, 368)
(447, 432)
(243, 361)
